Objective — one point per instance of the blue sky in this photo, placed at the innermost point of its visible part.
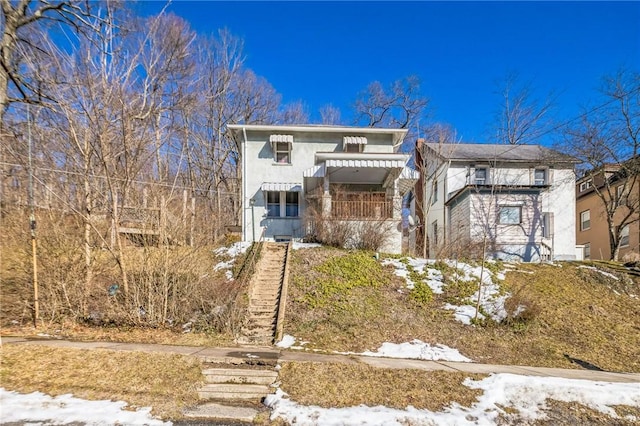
(326, 52)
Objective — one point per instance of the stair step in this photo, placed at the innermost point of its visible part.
(211, 410)
(239, 376)
(233, 391)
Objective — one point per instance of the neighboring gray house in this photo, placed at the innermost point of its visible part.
(346, 174)
(515, 201)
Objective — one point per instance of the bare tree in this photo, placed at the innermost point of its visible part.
(522, 118)
(607, 140)
(294, 113)
(397, 106)
(23, 21)
(330, 115)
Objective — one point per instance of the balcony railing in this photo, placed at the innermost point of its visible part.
(361, 209)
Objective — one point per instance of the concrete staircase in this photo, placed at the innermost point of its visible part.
(232, 393)
(264, 295)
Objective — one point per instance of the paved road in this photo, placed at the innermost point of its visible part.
(271, 355)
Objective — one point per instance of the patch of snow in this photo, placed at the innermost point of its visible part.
(526, 395)
(417, 349)
(286, 342)
(234, 250)
(464, 313)
(605, 273)
(228, 274)
(223, 265)
(296, 245)
(434, 277)
(37, 407)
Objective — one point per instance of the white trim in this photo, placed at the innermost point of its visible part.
(281, 138)
(281, 186)
(354, 140)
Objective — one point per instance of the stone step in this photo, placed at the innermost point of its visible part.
(233, 391)
(212, 410)
(264, 302)
(239, 376)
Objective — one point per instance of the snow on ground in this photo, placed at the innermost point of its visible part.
(525, 394)
(491, 301)
(593, 268)
(417, 349)
(434, 277)
(63, 409)
(297, 245)
(286, 342)
(233, 251)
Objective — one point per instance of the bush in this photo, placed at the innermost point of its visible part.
(421, 293)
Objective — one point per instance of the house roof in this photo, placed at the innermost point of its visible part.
(494, 152)
(397, 134)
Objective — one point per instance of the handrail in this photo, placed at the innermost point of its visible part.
(283, 295)
(250, 259)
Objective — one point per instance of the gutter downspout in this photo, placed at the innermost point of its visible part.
(244, 184)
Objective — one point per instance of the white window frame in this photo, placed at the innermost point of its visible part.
(545, 176)
(547, 224)
(585, 185)
(282, 149)
(282, 204)
(501, 215)
(434, 191)
(624, 236)
(481, 181)
(620, 193)
(585, 220)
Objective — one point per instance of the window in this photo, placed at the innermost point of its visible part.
(282, 152)
(510, 215)
(585, 220)
(291, 208)
(585, 185)
(624, 236)
(540, 176)
(481, 176)
(434, 191)
(434, 228)
(620, 194)
(282, 204)
(353, 147)
(587, 250)
(273, 204)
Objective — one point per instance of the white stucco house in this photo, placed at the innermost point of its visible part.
(344, 174)
(514, 202)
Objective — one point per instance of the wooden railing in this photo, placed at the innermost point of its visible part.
(361, 209)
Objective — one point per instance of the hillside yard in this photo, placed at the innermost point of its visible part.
(567, 315)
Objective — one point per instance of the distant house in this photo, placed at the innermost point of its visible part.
(512, 202)
(608, 192)
(292, 175)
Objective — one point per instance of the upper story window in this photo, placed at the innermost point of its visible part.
(585, 185)
(282, 153)
(281, 145)
(585, 220)
(481, 175)
(540, 177)
(434, 191)
(620, 194)
(510, 215)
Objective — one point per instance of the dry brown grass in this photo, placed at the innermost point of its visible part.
(165, 382)
(164, 336)
(349, 385)
(580, 313)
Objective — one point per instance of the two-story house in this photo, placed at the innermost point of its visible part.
(607, 204)
(345, 174)
(512, 202)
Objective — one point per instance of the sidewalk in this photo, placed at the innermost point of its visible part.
(271, 355)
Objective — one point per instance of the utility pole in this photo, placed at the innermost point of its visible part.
(32, 226)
